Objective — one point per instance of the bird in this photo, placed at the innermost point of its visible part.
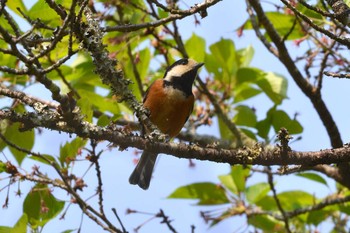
(170, 102)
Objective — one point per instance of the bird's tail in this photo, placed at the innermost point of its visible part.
(143, 171)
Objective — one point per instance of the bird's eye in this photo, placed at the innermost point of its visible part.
(184, 62)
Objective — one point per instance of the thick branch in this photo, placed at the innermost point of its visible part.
(255, 155)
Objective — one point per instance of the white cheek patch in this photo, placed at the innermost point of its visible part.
(179, 70)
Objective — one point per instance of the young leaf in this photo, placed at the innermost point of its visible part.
(275, 86)
(50, 16)
(266, 223)
(295, 199)
(239, 175)
(228, 182)
(249, 74)
(5, 229)
(318, 216)
(256, 192)
(86, 108)
(70, 150)
(224, 54)
(245, 91)
(14, 4)
(245, 116)
(21, 225)
(281, 119)
(245, 56)
(195, 47)
(313, 176)
(23, 140)
(283, 23)
(207, 193)
(41, 206)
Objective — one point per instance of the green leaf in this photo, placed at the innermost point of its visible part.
(2, 166)
(14, 4)
(283, 23)
(266, 223)
(41, 206)
(70, 150)
(263, 128)
(256, 192)
(249, 74)
(245, 91)
(223, 54)
(104, 104)
(295, 199)
(314, 177)
(245, 116)
(228, 182)
(207, 193)
(240, 175)
(281, 119)
(49, 158)
(68, 231)
(21, 225)
(23, 140)
(245, 56)
(318, 216)
(4, 229)
(225, 132)
(103, 120)
(275, 86)
(86, 108)
(195, 47)
(50, 16)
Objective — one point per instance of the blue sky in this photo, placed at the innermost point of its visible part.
(172, 172)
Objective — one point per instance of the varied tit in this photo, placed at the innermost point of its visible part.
(170, 102)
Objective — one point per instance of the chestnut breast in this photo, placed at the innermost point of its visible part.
(169, 107)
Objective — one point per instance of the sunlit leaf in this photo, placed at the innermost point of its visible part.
(228, 182)
(314, 177)
(47, 159)
(70, 150)
(266, 223)
(249, 74)
(104, 104)
(14, 4)
(245, 56)
(281, 119)
(284, 24)
(50, 16)
(245, 91)
(195, 47)
(256, 192)
(244, 116)
(291, 200)
(21, 225)
(275, 86)
(86, 108)
(240, 175)
(23, 140)
(224, 53)
(207, 193)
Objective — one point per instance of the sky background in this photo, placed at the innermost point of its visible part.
(222, 21)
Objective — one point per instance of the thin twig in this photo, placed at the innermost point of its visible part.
(279, 205)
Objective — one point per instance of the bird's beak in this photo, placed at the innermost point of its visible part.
(199, 65)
